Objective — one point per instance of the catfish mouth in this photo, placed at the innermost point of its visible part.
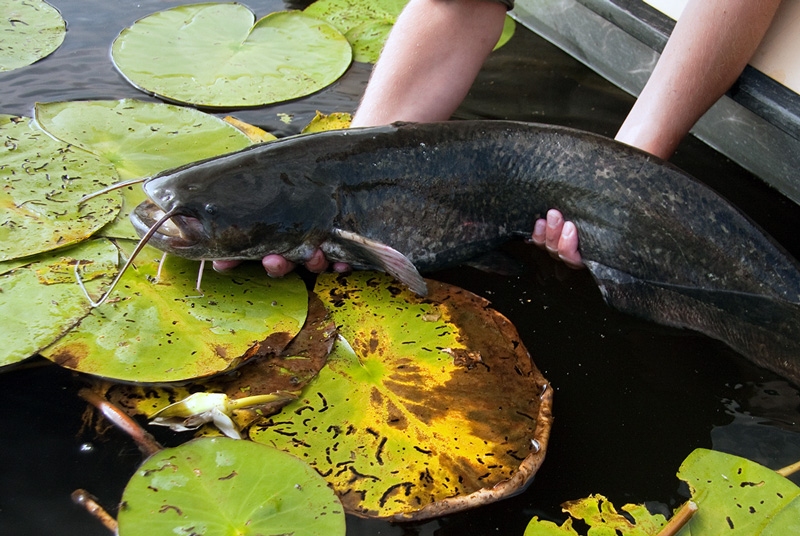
(177, 232)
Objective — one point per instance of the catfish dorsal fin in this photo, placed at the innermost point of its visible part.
(383, 257)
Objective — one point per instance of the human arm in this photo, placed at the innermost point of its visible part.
(705, 54)
(709, 47)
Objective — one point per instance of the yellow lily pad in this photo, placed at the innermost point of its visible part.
(435, 405)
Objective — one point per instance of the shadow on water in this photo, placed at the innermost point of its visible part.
(632, 399)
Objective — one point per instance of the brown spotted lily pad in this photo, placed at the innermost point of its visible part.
(435, 405)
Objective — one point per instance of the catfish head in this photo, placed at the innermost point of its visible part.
(237, 206)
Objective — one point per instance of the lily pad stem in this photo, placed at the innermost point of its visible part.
(85, 499)
(789, 469)
(679, 519)
(146, 442)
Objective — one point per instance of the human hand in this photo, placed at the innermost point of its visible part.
(278, 266)
(559, 238)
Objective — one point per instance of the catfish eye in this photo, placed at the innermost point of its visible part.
(211, 208)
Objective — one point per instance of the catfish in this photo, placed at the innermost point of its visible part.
(409, 198)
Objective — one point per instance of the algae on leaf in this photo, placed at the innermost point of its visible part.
(29, 31)
(217, 55)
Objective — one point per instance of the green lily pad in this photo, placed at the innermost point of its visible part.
(367, 23)
(40, 300)
(164, 331)
(738, 496)
(286, 371)
(435, 408)
(29, 31)
(368, 39)
(227, 486)
(41, 182)
(214, 55)
(346, 15)
(140, 139)
(509, 26)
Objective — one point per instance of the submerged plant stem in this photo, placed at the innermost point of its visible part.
(679, 519)
(146, 442)
(85, 499)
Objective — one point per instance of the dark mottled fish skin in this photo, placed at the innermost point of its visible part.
(660, 244)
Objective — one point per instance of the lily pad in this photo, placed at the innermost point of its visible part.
(367, 23)
(599, 514)
(139, 138)
(738, 496)
(40, 301)
(287, 371)
(346, 15)
(733, 496)
(226, 486)
(29, 31)
(322, 122)
(368, 39)
(435, 408)
(41, 182)
(161, 331)
(214, 55)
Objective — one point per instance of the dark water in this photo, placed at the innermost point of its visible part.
(632, 399)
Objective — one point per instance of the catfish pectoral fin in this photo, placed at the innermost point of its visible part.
(357, 249)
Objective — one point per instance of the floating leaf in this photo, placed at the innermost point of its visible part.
(41, 182)
(40, 300)
(346, 15)
(226, 486)
(322, 122)
(139, 138)
(733, 496)
(29, 31)
(163, 331)
(285, 372)
(214, 55)
(599, 514)
(366, 23)
(739, 497)
(368, 39)
(256, 135)
(436, 407)
(509, 26)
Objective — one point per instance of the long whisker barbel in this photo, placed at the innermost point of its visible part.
(111, 188)
(143, 242)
